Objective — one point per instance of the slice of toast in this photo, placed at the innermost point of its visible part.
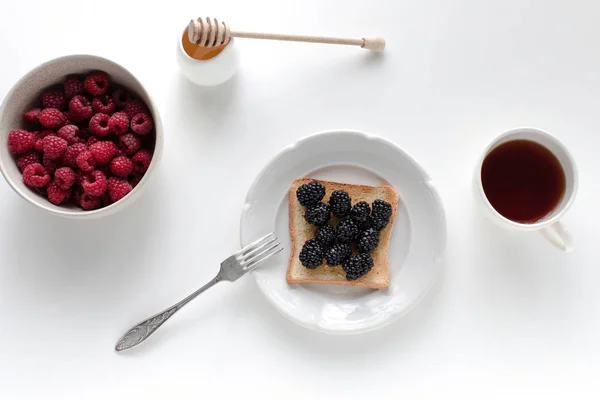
(301, 231)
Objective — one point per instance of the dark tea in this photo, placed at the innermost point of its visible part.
(523, 180)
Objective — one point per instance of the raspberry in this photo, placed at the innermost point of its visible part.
(54, 99)
(118, 188)
(141, 160)
(66, 119)
(121, 166)
(121, 96)
(88, 202)
(94, 183)
(73, 86)
(106, 201)
(77, 192)
(51, 118)
(51, 164)
(35, 175)
(33, 115)
(64, 177)
(103, 104)
(85, 161)
(84, 132)
(135, 178)
(70, 156)
(141, 124)
(103, 152)
(80, 108)
(54, 147)
(118, 123)
(20, 141)
(91, 140)
(135, 106)
(130, 143)
(78, 175)
(57, 195)
(119, 152)
(96, 83)
(28, 158)
(38, 144)
(105, 169)
(70, 133)
(99, 124)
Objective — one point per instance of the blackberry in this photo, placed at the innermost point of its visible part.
(326, 235)
(310, 193)
(377, 222)
(346, 230)
(382, 209)
(357, 266)
(311, 255)
(340, 203)
(367, 240)
(337, 254)
(360, 212)
(317, 214)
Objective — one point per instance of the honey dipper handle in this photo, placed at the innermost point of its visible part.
(375, 43)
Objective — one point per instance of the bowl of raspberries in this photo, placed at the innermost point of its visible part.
(80, 137)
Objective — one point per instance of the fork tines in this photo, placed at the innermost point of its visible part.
(258, 251)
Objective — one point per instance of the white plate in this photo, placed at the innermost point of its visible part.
(416, 246)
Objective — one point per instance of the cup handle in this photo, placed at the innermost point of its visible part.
(559, 236)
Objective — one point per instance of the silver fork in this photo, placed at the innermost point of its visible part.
(231, 270)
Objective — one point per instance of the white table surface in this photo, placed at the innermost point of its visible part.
(511, 317)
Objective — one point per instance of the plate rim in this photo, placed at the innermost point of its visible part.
(440, 257)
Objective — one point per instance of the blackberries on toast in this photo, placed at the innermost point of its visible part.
(367, 240)
(360, 211)
(340, 203)
(382, 209)
(346, 230)
(310, 193)
(326, 235)
(337, 254)
(380, 215)
(317, 214)
(358, 226)
(311, 255)
(357, 266)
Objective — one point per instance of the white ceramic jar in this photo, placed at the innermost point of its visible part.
(210, 72)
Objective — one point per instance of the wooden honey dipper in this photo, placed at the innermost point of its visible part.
(207, 32)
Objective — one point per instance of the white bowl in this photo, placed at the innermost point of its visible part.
(24, 94)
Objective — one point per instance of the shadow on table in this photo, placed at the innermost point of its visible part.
(90, 262)
(523, 277)
(197, 103)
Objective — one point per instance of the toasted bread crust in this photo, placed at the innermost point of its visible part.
(300, 231)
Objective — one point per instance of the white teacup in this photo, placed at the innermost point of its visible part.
(549, 226)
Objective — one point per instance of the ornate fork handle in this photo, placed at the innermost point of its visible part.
(144, 329)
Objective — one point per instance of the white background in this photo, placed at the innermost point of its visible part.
(511, 318)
